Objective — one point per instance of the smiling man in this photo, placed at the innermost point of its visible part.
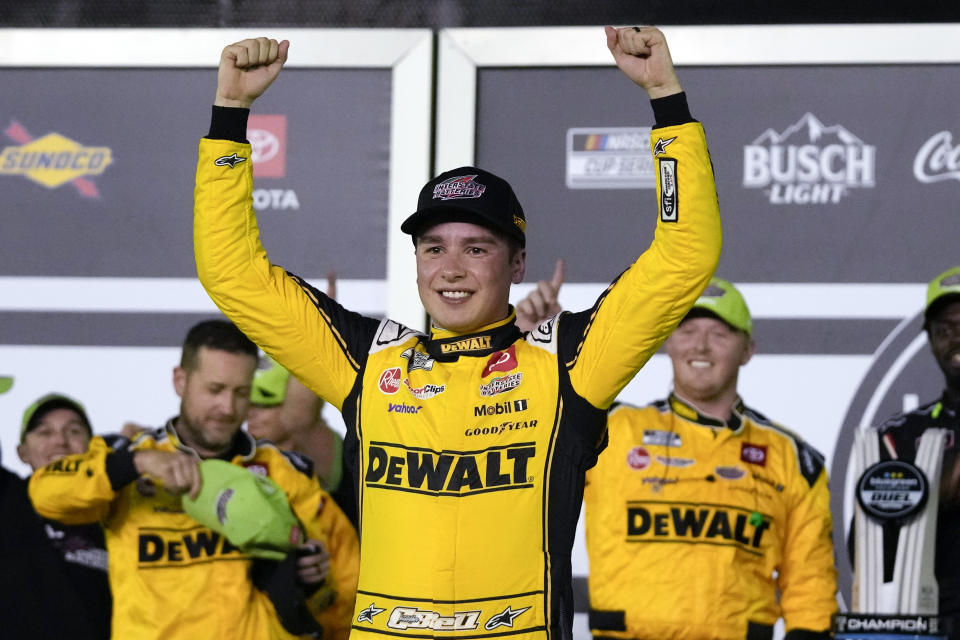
(467, 445)
(701, 510)
(901, 434)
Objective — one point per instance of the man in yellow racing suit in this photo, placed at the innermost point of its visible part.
(171, 577)
(694, 523)
(468, 445)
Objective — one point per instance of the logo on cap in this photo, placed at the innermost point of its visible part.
(459, 187)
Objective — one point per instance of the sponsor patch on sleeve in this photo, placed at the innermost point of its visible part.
(668, 189)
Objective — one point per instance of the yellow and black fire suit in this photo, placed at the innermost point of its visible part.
(693, 526)
(174, 578)
(468, 451)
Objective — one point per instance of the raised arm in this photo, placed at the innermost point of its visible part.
(303, 329)
(606, 345)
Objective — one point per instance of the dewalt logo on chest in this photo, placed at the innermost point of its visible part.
(708, 524)
(449, 473)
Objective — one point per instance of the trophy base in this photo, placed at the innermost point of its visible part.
(867, 626)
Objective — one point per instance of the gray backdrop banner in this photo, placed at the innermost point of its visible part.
(97, 170)
(814, 165)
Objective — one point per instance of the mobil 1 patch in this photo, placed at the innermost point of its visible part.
(659, 437)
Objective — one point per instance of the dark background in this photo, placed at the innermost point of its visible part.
(457, 13)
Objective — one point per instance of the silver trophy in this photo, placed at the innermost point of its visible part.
(899, 493)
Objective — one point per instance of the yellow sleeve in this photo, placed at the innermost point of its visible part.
(75, 489)
(807, 577)
(605, 346)
(309, 334)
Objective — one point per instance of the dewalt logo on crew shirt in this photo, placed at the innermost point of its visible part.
(449, 473)
(724, 525)
(165, 548)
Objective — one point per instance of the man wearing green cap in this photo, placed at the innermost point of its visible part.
(901, 433)
(701, 510)
(55, 574)
(285, 412)
(182, 535)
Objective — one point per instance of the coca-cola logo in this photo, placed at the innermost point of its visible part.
(390, 380)
(938, 159)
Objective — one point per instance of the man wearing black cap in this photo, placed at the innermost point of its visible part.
(55, 575)
(901, 434)
(468, 446)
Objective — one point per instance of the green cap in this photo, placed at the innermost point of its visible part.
(269, 384)
(723, 300)
(945, 284)
(250, 510)
(44, 405)
(5, 383)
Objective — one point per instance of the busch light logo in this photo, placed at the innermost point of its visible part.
(809, 163)
(459, 187)
(938, 159)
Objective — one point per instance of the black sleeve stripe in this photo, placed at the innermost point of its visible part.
(573, 320)
(321, 301)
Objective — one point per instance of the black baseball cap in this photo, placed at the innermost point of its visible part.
(469, 194)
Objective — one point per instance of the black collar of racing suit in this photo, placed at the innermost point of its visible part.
(243, 443)
(447, 346)
(691, 413)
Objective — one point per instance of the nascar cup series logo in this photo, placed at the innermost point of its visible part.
(809, 163)
(938, 159)
(53, 160)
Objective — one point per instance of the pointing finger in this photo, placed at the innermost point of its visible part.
(558, 274)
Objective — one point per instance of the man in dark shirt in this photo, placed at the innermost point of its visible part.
(901, 433)
(55, 575)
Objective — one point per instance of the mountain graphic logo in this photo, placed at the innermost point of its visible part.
(808, 163)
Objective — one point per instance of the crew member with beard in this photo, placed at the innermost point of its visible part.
(173, 577)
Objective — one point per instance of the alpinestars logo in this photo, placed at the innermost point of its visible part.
(938, 159)
(503, 619)
(229, 161)
(458, 188)
(809, 163)
(367, 614)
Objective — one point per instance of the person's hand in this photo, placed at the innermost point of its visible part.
(247, 68)
(332, 284)
(542, 301)
(176, 471)
(642, 54)
(131, 430)
(313, 563)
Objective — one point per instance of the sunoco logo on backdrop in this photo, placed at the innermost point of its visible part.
(809, 163)
(938, 159)
(53, 160)
(903, 374)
